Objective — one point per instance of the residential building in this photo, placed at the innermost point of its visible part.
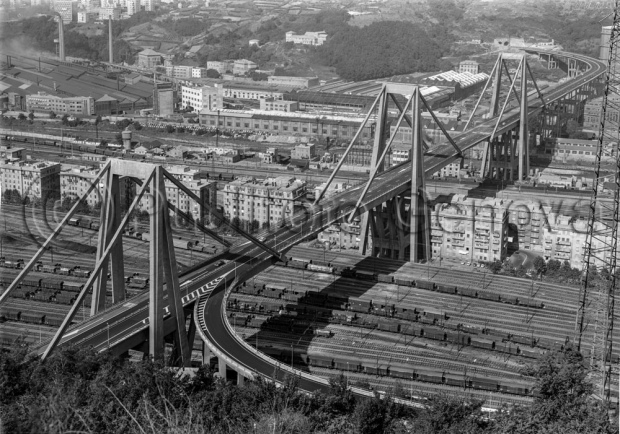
(180, 72)
(205, 190)
(32, 179)
(262, 203)
(86, 16)
(290, 123)
(566, 150)
(163, 99)
(271, 104)
(593, 110)
(308, 38)
(133, 6)
(110, 13)
(65, 9)
(198, 72)
(341, 235)
(304, 151)
(148, 5)
(76, 181)
(470, 230)
(77, 105)
(243, 66)
(203, 97)
(149, 59)
(220, 66)
(294, 82)
(470, 66)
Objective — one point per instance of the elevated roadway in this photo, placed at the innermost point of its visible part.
(125, 326)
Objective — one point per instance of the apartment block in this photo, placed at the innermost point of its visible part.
(268, 202)
(76, 181)
(341, 235)
(470, 230)
(220, 66)
(32, 179)
(243, 66)
(469, 66)
(205, 190)
(65, 9)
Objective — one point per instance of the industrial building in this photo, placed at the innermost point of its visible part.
(566, 150)
(163, 99)
(149, 59)
(77, 105)
(294, 123)
(271, 104)
(202, 97)
(470, 66)
(296, 82)
(262, 203)
(32, 179)
(243, 66)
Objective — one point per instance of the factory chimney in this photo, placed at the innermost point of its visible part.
(111, 52)
(61, 39)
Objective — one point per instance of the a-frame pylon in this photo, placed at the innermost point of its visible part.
(400, 228)
(506, 153)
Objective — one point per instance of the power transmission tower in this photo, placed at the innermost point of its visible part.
(595, 316)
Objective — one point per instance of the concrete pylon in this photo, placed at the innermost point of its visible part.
(110, 44)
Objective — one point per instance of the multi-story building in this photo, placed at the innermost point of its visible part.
(565, 150)
(278, 105)
(469, 66)
(32, 179)
(341, 235)
(198, 72)
(133, 6)
(203, 97)
(220, 66)
(470, 230)
(304, 151)
(295, 123)
(308, 38)
(593, 109)
(149, 59)
(76, 181)
(109, 12)
(148, 5)
(294, 82)
(243, 66)
(180, 72)
(262, 203)
(252, 91)
(86, 16)
(205, 190)
(76, 105)
(65, 9)
(163, 99)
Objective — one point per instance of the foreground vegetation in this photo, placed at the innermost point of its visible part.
(81, 391)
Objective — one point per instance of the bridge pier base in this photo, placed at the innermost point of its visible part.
(221, 368)
(206, 354)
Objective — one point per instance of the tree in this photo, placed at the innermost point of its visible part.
(212, 73)
(169, 129)
(65, 119)
(563, 401)
(495, 266)
(52, 115)
(539, 265)
(553, 265)
(122, 124)
(21, 117)
(31, 116)
(137, 125)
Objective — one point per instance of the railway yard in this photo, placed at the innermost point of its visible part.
(386, 322)
(37, 308)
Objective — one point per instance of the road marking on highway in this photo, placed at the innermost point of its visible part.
(129, 304)
(72, 332)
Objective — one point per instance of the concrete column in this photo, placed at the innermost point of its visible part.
(221, 368)
(240, 379)
(206, 354)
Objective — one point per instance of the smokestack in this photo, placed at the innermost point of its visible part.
(110, 41)
(61, 39)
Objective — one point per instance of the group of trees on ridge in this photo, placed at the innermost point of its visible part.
(79, 390)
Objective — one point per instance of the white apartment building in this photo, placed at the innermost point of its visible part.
(470, 230)
(308, 38)
(76, 181)
(65, 9)
(205, 190)
(133, 6)
(203, 97)
(220, 66)
(265, 203)
(32, 179)
(78, 105)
